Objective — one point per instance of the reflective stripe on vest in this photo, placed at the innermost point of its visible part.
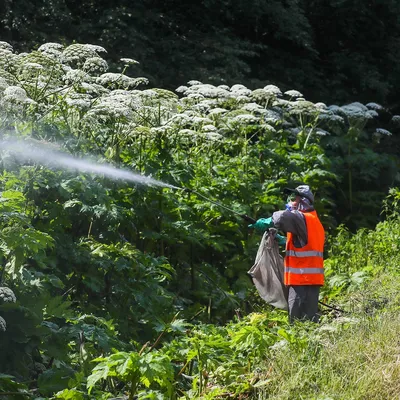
(305, 265)
(304, 253)
(304, 270)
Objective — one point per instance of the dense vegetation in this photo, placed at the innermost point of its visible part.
(134, 290)
(337, 50)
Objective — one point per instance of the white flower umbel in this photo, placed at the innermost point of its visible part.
(79, 53)
(202, 107)
(334, 108)
(50, 46)
(118, 104)
(159, 130)
(129, 61)
(355, 106)
(75, 76)
(209, 128)
(322, 132)
(240, 90)
(245, 119)
(269, 128)
(372, 114)
(95, 65)
(15, 92)
(207, 91)
(201, 120)
(115, 81)
(281, 103)
(330, 117)
(272, 89)
(383, 132)
(242, 98)
(15, 101)
(252, 107)
(272, 116)
(95, 48)
(6, 46)
(80, 101)
(195, 96)
(7, 58)
(293, 94)
(320, 106)
(53, 50)
(147, 93)
(30, 73)
(212, 135)
(3, 84)
(193, 82)
(181, 89)
(354, 111)
(374, 106)
(180, 120)
(217, 111)
(396, 119)
(33, 66)
(93, 89)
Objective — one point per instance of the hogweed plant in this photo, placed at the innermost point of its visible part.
(109, 263)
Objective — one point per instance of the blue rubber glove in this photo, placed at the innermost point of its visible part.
(262, 224)
(280, 239)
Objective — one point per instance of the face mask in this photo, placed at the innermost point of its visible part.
(290, 207)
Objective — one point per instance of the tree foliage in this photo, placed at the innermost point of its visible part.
(336, 50)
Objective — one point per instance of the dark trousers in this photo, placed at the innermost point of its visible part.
(303, 303)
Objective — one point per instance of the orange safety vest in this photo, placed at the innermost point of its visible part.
(305, 265)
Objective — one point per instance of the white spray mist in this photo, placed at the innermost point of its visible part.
(44, 153)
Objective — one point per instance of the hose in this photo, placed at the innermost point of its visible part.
(244, 216)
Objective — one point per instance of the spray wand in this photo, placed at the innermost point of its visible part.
(244, 216)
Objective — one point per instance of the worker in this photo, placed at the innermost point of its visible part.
(303, 263)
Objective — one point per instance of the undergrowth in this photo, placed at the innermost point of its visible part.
(353, 356)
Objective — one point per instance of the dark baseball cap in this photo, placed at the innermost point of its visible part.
(302, 191)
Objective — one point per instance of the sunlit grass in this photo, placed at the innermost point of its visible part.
(355, 357)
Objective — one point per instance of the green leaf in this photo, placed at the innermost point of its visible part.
(55, 379)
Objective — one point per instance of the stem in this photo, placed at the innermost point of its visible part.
(200, 371)
(308, 137)
(161, 334)
(2, 270)
(134, 383)
(350, 178)
(140, 152)
(161, 225)
(90, 228)
(192, 269)
(144, 347)
(183, 368)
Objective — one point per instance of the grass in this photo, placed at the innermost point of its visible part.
(354, 357)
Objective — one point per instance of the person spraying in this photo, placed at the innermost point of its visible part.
(303, 262)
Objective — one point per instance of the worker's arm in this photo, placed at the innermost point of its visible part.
(293, 222)
(280, 239)
(262, 224)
